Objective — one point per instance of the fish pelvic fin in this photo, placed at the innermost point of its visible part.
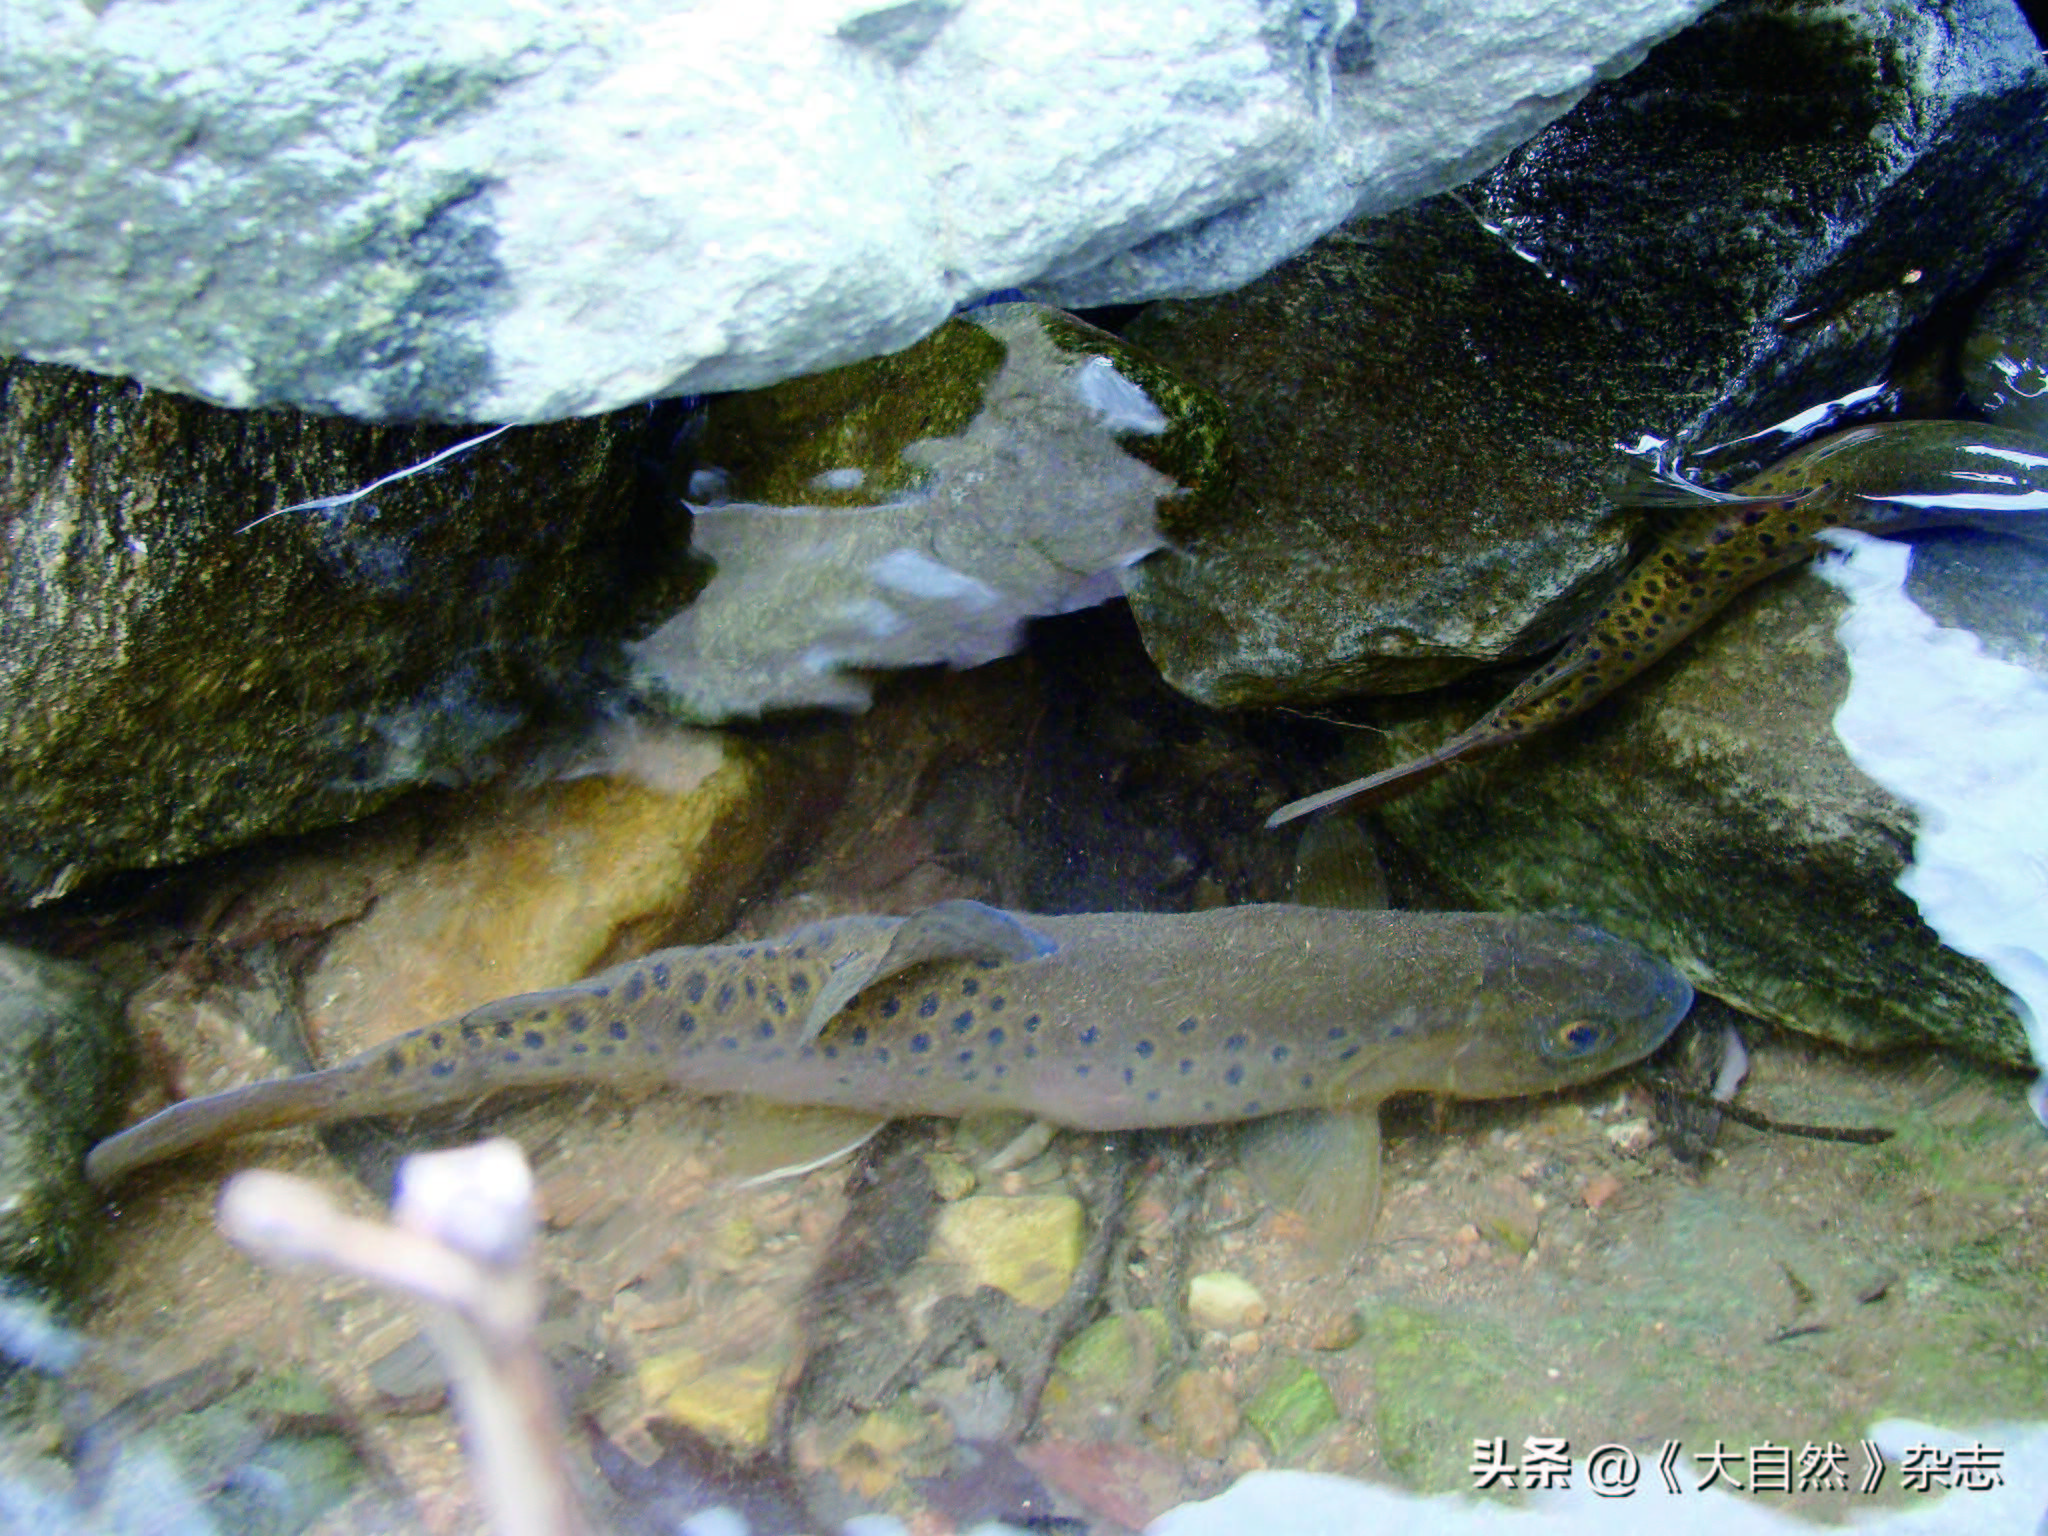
(950, 930)
(1322, 1164)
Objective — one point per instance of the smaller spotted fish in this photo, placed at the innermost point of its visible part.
(1881, 478)
(1109, 1021)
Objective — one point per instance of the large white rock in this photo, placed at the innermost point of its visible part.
(525, 209)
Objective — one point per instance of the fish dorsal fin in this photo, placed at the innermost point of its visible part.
(951, 930)
(1323, 1164)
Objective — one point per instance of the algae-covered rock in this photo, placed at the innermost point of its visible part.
(1113, 1358)
(1291, 1409)
(181, 671)
(1428, 404)
(65, 1056)
(919, 508)
(2005, 357)
(732, 1402)
(1026, 1246)
(1712, 815)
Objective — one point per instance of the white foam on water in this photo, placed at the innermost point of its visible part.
(1962, 737)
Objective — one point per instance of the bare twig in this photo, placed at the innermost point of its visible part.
(461, 1245)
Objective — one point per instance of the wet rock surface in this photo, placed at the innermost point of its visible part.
(1713, 815)
(1429, 405)
(1589, 1266)
(65, 1059)
(181, 671)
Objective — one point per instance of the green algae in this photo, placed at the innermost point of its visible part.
(1291, 1409)
(775, 443)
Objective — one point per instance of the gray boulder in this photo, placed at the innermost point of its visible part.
(495, 211)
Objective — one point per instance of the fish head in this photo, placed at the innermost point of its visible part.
(1561, 1003)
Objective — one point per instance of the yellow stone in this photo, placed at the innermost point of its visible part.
(530, 887)
(1026, 1246)
(731, 1403)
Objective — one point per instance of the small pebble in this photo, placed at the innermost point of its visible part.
(1599, 1190)
(1339, 1330)
(1204, 1414)
(1631, 1138)
(1225, 1302)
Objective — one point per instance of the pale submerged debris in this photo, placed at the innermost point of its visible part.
(1122, 405)
(1031, 509)
(1963, 738)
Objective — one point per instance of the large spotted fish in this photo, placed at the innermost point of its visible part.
(1102, 1022)
(1881, 479)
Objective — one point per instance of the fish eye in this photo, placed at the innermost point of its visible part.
(1575, 1037)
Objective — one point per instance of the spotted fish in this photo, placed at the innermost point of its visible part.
(1880, 478)
(1100, 1022)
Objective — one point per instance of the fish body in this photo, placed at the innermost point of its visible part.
(1881, 478)
(1100, 1022)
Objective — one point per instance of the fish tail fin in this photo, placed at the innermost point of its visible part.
(311, 1099)
(1388, 783)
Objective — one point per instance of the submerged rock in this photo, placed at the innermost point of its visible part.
(184, 666)
(1428, 404)
(919, 508)
(510, 211)
(64, 1062)
(1026, 1246)
(1713, 816)
(524, 888)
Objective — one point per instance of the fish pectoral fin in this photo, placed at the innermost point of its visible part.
(1322, 1164)
(950, 930)
(765, 1142)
